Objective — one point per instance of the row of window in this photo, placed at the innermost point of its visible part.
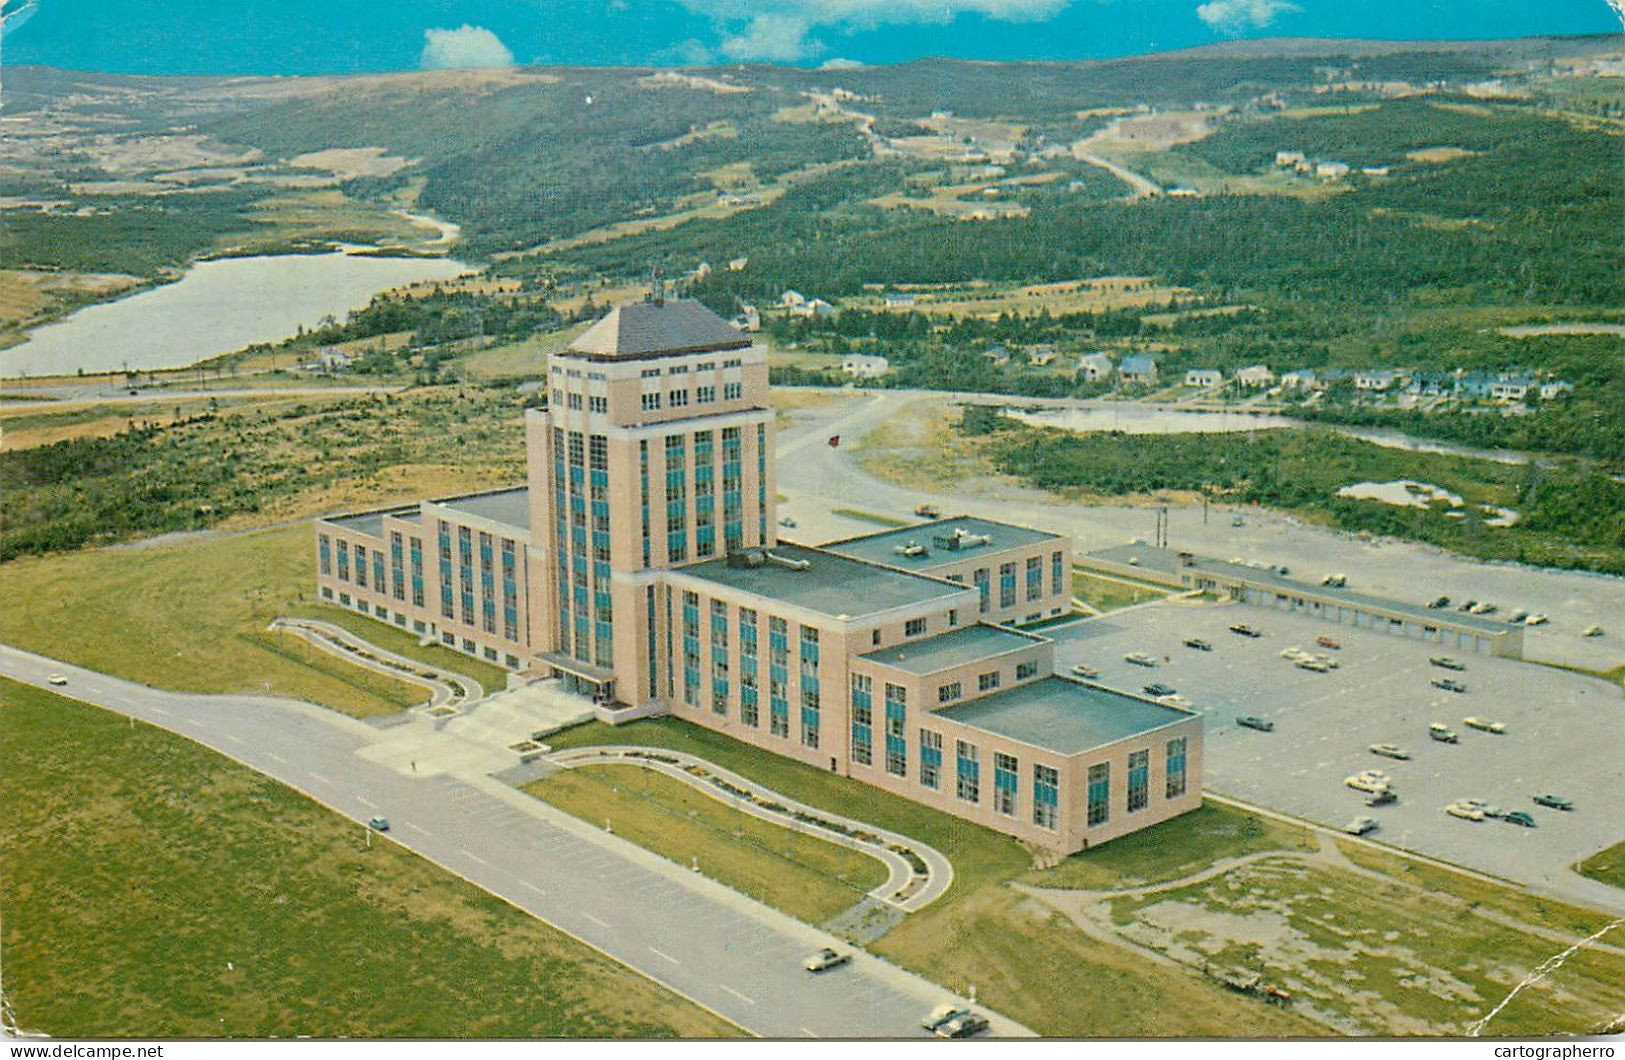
(1031, 584)
(403, 576)
(676, 399)
(418, 626)
(721, 627)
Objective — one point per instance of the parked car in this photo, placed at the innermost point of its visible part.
(1370, 781)
(1465, 811)
(928, 511)
(964, 1025)
(1442, 733)
(1381, 798)
(1535, 620)
(1556, 802)
(1591, 631)
(1388, 750)
(787, 522)
(1335, 581)
(1438, 602)
(1446, 662)
(1361, 825)
(57, 679)
(1238, 521)
(1175, 701)
(1159, 689)
(1294, 653)
(1448, 684)
(1329, 642)
(1319, 666)
(1517, 617)
(1485, 608)
(1253, 721)
(1140, 658)
(1484, 725)
(825, 959)
(1468, 606)
(1080, 670)
(1199, 644)
(1246, 630)
(942, 1014)
(378, 823)
(1519, 818)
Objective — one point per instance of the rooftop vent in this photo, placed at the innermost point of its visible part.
(912, 548)
(960, 540)
(748, 557)
(786, 562)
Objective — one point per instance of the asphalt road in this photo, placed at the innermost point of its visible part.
(733, 955)
(1563, 734)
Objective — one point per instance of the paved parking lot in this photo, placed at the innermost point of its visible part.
(1564, 732)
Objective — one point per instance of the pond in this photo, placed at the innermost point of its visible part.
(217, 307)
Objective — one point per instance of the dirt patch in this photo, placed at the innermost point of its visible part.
(1437, 155)
(348, 163)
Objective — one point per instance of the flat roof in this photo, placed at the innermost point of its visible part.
(831, 584)
(1062, 715)
(946, 650)
(1166, 561)
(510, 507)
(883, 547)
(371, 523)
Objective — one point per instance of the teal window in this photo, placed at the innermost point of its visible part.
(1005, 783)
(930, 759)
(1100, 787)
(1176, 768)
(1046, 796)
(1139, 780)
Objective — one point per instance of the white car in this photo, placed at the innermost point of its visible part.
(825, 959)
(57, 679)
(1535, 620)
(1465, 810)
(1175, 701)
(1370, 781)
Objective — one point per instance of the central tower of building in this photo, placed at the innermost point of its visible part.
(655, 451)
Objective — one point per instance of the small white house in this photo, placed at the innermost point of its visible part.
(749, 319)
(1040, 356)
(815, 307)
(1299, 379)
(899, 300)
(1511, 388)
(792, 299)
(1255, 375)
(1332, 170)
(1555, 388)
(738, 264)
(1095, 366)
(865, 366)
(1377, 382)
(1138, 368)
(1290, 159)
(1203, 377)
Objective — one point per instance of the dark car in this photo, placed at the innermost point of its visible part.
(1381, 797)
(1253, 721)
(1448, 684)
(1246, 630)
(379, 823)
(1159, 689)
(1443, 601)
(1518, 817)
(1555, 802)
(1199, 644)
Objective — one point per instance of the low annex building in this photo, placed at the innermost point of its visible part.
(640, 565)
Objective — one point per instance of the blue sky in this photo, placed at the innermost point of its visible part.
(344, 36)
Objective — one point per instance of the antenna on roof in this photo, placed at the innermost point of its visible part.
(657, 286)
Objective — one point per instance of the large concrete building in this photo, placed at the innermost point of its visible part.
(641, 567)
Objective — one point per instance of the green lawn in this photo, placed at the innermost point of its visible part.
(391, 638)
(1605, 865)
(156, 889)
(190, 616)
(1110, 593)
(806, 877)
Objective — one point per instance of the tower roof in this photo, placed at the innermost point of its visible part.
(649, 329)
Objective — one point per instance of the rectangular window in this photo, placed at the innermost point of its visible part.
(967, 771)
(344, 561)
(1035, 578)
(1057, 574)
(863, 719)
(930, 759)
(1007, 585)
(948, 693)
(397, 565)
(360, 567)
(896, 726)
(732, 391)
(417, 571)
(651, 402)
(1176, 768)
(1100, 789)
(914, 627)
(1046, 796)
(1005, 782)
(980, 579)
(678, 398)
(1139, 780)
(1026, 670)
(704, 395)
(324, 547)
(988, 681)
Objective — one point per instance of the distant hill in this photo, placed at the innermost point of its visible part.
(1516, 49)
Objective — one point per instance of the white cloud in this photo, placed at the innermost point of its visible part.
(465, 47)
(1238, 16)
(840, 64)
(787, 32)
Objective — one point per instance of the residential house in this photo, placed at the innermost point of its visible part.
(1039, 356)
(1332, 170)
(815, 307)
(1376, 381)
(1473, 385)
(899, 300)
(792, 299)
(1255, 375)
(865, 366)
(1138, 368)
(997, 354)
(1555, 388)
(1509, 388)
(1300, 379)
(1095, 367)
(1203, 377)
(1290, 159)
(749, 318)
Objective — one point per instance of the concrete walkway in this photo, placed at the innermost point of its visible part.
(446, 688)
(906, 887)
(726, 952)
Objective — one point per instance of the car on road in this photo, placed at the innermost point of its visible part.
(787, 522)
(1294, 653)
(1465, 811)
(964, 1025)
(1485, 608)
(1198, 644)
(1485, 725)
(57, 679)
(1238, 522)
(942, 1014)
(1335, 581)
(1175, 701)
(1246, 631)
(1445, 662)
(1253, 721)
(1591, 631)
(1361, 825)
(1370, 781)
(1438, 602)
(1468, 606)
(1448, 684)
(1517, 617)
(1536, 620)
(928, 511)
(1381, 798)
(1140, 658)
(1519, 818)
(1319, 666)
(378, 823)
(825, 959)
(1081, 670)
(1555, 802)
(1389, 750)
(1329, 642)
(1159, 689)
(1442, 733)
